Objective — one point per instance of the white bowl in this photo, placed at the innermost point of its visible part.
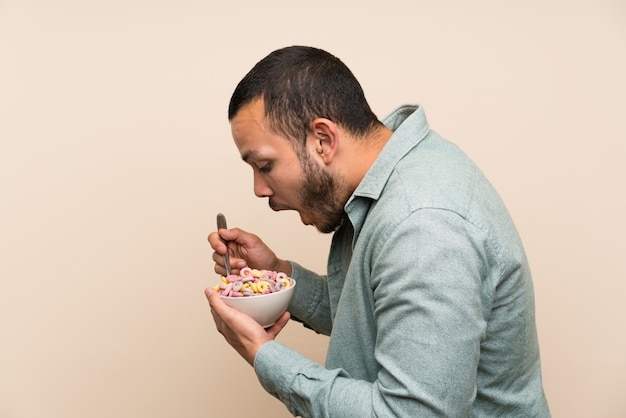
(264, 309)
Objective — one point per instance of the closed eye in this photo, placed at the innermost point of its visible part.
(266, 168)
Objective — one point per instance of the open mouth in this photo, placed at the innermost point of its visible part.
(276, 207)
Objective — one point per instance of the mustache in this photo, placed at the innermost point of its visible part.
(276, 206)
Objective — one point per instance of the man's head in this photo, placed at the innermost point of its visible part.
(288, 117)
(299, 84)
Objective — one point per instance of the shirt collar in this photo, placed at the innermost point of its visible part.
(409, 126)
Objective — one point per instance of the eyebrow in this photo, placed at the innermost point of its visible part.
(251, 154)
(247, 155)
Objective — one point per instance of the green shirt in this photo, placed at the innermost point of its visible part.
(428, 299)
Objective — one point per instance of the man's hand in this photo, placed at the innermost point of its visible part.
(245, 249)
(243, 333)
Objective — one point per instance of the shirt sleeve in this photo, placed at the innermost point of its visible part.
(430, 297)
(426, 278)
(308, 389)
(310, 303)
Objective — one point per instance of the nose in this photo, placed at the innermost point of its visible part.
(261, 188)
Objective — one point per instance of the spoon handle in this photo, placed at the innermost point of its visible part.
(221, 224)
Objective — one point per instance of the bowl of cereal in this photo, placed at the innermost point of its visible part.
(262, 294)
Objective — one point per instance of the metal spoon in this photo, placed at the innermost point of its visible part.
(221, 224)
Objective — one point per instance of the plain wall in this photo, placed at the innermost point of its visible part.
(116, 155)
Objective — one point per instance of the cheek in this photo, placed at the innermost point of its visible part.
(284, 185)
(287, 183)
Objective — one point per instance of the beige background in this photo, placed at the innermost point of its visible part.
(115, 156)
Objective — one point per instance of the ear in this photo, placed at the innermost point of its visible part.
(324, 139)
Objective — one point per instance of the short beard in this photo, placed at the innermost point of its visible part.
(323, 195)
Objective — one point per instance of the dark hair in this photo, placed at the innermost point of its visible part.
(299, 84)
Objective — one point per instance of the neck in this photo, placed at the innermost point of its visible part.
(367, 148)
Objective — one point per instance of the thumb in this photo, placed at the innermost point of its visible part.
(217, 305)
(229, 234)
(278, 326)
(213, 297)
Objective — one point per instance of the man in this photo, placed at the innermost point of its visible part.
(428, 298)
